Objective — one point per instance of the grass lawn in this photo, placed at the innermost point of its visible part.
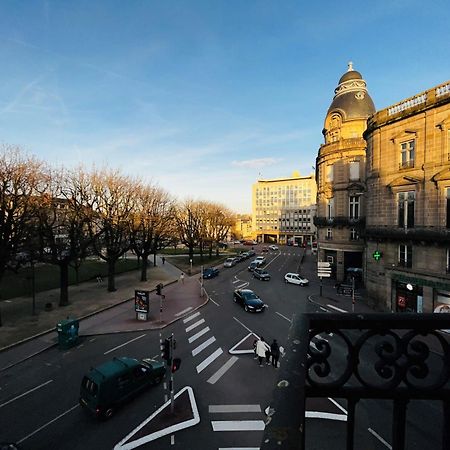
(47, 276)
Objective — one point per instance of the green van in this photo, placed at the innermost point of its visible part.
(109, 385)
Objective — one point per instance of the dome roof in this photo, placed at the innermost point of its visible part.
(352, 99)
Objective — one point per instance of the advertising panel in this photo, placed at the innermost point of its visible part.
(141, 301)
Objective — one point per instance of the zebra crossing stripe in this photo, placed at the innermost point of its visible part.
(183, 312)
(193, 316)
(199, 334)
(201, 347)
(195, 325)
(222, 370)
(205, 363)
(234, 408)
(238, 425)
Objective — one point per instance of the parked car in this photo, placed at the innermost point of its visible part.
(273, 247)
(265, 250)
(252, 266)
(295, 278)
(249, 300)
(250, 242)
(230, 262)
(210, 272)
(261, 260)
(109, 385)
(251, 253)
(245, 255)
(261, 274)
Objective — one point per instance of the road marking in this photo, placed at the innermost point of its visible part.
(222, 370)
(47, 424)
(239, 448)
(193, 316)
(209, 360)
(324, 415)
(240, 323)
(338, 405)
(183, 312)
(199, 334)
(126, 343)
(284, 317)
(337, 309)
(214, 301)
(234, 408)
(236, 281)
(26, 393)
(379, 438)
(195, 325)
(172, 440)
(238, 425)
(242, 285)
(324, 309)
(201, 347)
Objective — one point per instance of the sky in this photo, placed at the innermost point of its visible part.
(202, 98)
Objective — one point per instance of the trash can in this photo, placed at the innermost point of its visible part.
(67, 333)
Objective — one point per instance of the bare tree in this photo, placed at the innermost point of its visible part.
(20, 180)
(189, 220)
(219, 221)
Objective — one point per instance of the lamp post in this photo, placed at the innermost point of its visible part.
(190, 261)
(33, 288)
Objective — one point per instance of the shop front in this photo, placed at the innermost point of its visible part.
(408, 297)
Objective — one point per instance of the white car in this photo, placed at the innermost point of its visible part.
(295, 278)
(273, 247)
(229, 262)
(261, 260)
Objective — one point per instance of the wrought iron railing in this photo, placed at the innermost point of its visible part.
(385, 357)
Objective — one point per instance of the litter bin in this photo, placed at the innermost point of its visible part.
(67, 333)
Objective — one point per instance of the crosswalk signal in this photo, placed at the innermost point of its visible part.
(166, 351)
(176, 364)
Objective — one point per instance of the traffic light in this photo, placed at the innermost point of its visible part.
(166, 351)
(176, 364)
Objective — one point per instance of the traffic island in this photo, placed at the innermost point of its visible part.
(163, 421)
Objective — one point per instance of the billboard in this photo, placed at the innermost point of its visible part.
(141, 301)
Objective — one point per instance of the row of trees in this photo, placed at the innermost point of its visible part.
(62, 216)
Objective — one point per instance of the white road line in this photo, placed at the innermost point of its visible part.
(324, 415)
(195, 325)
(324, 309)
(236, 281)
(213, 301)
(379, 438)
(240, 323)
(199, 334)
(338, 405)
(284, 317)
(26, 393)
(47, 424)
(234, 408)
(183, 312)
(242, 285)
(205, 363)
(337, 309)
(126, 343)
(193, 316)
(239, 448)
(201, 347)
(238, 425)
(172, 440)
(214, 378)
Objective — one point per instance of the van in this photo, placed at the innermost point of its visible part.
(109, 385)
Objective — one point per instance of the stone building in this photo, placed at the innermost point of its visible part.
(340, 176)
(408, 203)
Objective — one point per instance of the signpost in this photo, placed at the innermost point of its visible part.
(323, 271)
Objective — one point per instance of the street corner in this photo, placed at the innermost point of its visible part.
(245, 345)
(164, 421)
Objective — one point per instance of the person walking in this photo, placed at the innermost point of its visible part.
(163, 260)
(182, 277)
(261, 349)
(275, 352)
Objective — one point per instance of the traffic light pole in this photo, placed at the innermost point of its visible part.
(171, 377)
(320, 286)
(353, 294)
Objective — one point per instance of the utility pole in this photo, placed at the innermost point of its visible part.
(353, 294)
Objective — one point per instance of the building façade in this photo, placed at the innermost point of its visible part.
(408, 204)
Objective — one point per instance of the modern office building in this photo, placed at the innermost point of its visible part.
(283, 209)
(408, 203)
(340, 176)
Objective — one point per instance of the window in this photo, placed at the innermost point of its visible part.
(353, 234)
(330, 173)
(405, 255)
(353, 210)
(329, 235)
(354, 170)
(407, 154)
(330, 208)
(448, 208)
(406, 209)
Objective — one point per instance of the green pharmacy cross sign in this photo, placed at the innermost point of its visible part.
(376, 255)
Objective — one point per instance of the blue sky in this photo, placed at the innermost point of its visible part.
(203, 97)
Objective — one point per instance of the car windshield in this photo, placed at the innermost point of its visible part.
(250, 295)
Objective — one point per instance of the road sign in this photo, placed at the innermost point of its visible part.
(323, 264)
(324, 269)
(324, 274)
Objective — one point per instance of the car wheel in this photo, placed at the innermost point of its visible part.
(246, 308)
(108, 413)
(157, 380)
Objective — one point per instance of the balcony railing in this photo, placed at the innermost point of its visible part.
(425, 234)
(393, 357)
(339, 221)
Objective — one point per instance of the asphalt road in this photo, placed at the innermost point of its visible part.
(231, 391)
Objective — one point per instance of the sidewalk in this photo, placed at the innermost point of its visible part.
(99, 311)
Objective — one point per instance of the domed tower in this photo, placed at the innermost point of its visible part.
(340, 176)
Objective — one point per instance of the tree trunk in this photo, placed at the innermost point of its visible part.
(210, 250)
(63, 284)
(111, 275)
(154, 259)
(144, 268)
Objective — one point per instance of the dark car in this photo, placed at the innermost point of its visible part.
(249, 300)
(252, 266)
(210, 272)
(261, 274)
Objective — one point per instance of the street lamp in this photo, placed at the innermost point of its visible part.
(191, 265)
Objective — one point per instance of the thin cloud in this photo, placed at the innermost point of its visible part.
(256, 163)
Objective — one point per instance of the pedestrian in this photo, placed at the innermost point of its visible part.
(261, 350)
(163, 260)
(275, 351)
(254, 348)
(182, 277)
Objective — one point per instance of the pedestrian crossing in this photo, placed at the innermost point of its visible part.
(206, 350)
